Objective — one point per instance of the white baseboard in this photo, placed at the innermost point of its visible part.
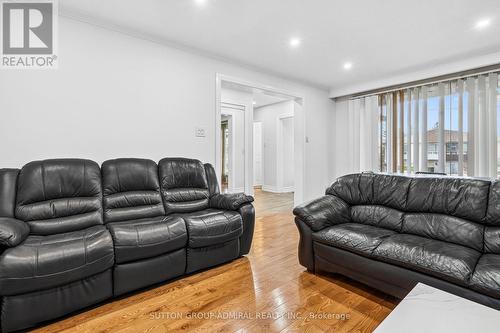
(275, 189)
(288, 189)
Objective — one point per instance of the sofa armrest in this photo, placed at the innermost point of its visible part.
(247, 212)
(323, 212)
(306, 251)
(231, 201)
(12, 231)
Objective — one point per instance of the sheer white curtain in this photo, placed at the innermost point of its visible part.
(363, 138)
(451, 127)
(485, 132)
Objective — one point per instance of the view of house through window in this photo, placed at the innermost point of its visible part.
(450, 127)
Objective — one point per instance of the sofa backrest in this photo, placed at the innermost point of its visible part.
(450, 209)
(184, 185)
(375, 199)
(213, 184)
(465, 198)
(8, 184)
(372, 189)
(131, 190)
(492, 221)
(59, 195)
(444, 208)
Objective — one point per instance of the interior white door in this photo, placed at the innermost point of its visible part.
(236, 147)
(257, 154)
(288, 152)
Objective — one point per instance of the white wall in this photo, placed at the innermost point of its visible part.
(269, 115)
(117, 96)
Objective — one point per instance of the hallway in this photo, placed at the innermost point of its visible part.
(267, 203)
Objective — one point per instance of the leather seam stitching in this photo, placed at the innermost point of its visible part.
(60, 272)
(55, 199)
(214, 236)
(39, 244)
(148, 244)
(133, 206)
(61, 217)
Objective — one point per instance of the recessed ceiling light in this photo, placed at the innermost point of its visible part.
(200, 2)
(295, 42)
(254, 102)
(482, 24)
(347, 65)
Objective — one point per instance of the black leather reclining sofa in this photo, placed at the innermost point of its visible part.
(73, 234)
(390, 232)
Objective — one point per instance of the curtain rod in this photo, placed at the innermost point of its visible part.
(430, 81)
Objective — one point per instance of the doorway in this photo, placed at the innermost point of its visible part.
(252, 155)
(257, 154)
(285, 157)
(224, 128)
(232, 129)
(278, 158)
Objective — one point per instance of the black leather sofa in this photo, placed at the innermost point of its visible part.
(391, 232)
(73, 234)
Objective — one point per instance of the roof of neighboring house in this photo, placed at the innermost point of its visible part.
(449, 135)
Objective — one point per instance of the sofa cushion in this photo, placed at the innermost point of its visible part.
(184, 185)
(131, 190)
(372, 189)
(61, 195)
(459, 197)
(212, 226)
(447, 261)
(445, 228)
(146, 238)
(491, 240)
(486, 277)
(355, 189)
(359, 238)
(493, 214)
(391, 190)
(379, 216)
(43, 262)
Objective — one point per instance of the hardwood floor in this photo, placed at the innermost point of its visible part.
(266, 291)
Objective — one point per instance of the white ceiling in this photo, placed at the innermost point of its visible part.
(382, 38)
(260, 97)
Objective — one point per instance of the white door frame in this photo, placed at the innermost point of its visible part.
(299, 133)
(279, 150)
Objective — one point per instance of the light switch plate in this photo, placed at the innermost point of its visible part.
(200, 132)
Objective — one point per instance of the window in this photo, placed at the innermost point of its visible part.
(383, 133)
(451, 127)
